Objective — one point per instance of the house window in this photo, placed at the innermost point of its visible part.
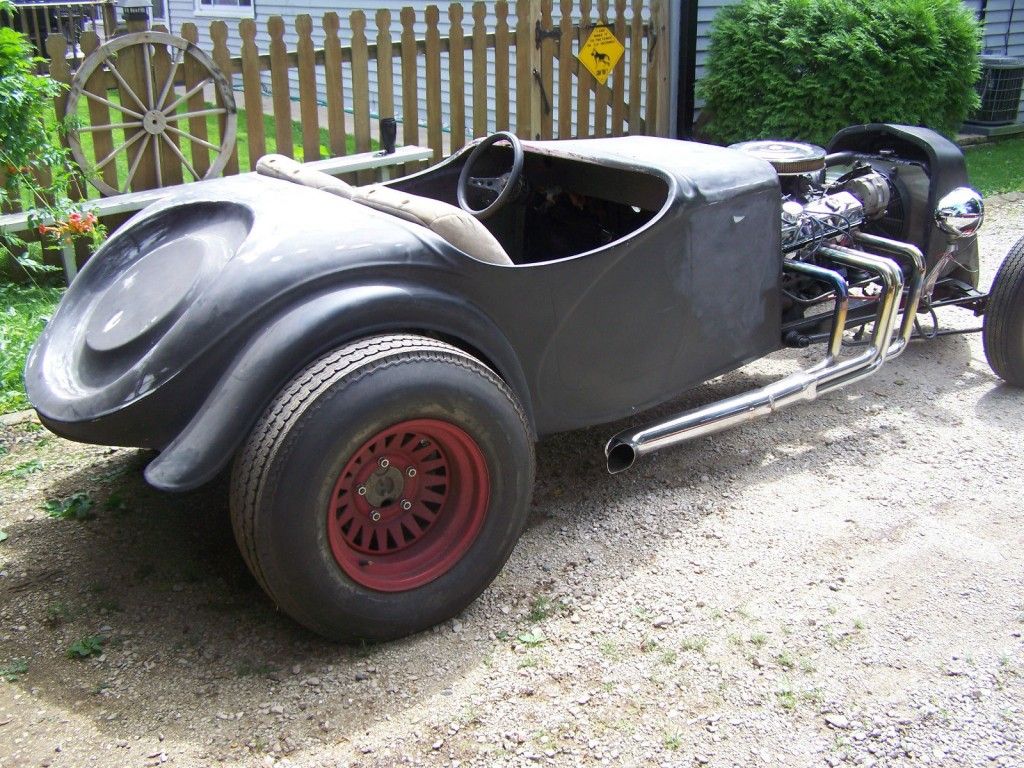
(159, 15)
(239, 8)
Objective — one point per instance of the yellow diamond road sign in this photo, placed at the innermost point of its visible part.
(601, 53)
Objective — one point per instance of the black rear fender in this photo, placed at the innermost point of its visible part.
(297, 337)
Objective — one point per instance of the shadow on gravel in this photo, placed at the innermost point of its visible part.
(158, 577)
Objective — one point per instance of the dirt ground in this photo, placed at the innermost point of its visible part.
(841, 584)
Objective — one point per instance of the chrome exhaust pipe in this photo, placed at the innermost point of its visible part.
(915, 282)
(831, 373)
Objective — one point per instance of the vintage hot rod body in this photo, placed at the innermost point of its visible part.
(377, 363)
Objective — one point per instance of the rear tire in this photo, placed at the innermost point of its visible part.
(384, 488)
(1003, 332)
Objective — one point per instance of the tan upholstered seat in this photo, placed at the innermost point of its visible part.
(453, 224)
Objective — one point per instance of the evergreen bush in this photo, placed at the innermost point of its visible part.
(802, 69)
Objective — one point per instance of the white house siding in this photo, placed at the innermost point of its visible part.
(182, 11)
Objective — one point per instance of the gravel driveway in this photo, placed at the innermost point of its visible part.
(842, 584)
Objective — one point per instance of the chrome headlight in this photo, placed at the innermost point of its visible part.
(960, 213)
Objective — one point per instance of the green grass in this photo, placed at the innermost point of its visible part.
(997, 167)
(25, 310)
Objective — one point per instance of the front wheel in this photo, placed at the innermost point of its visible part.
(384, 488)
(1003, 332)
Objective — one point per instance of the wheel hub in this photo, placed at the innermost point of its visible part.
(408, 504)
(384, 487)
(154, 121)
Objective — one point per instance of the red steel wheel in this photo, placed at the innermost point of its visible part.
(408, 505)
(384, 487)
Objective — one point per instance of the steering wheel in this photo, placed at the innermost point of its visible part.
(500, 189)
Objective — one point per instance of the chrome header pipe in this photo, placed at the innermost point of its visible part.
(831, 373)
(916, 282)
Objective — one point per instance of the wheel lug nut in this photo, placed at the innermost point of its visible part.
(411, 471)
(375, 516)
(361, 490)
(406, 505)
(384, 463)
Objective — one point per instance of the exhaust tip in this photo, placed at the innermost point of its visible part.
(620, 457)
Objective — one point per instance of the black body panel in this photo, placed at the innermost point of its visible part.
(285, 273)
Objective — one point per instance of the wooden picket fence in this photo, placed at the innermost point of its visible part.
(551, 95)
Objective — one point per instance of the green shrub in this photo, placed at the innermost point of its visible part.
(802, 69)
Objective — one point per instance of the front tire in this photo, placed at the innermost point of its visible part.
(384, 488)
(1003, 331)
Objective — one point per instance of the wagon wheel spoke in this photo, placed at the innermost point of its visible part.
(148, 58)
(198, 113)
(110, 127)
(116, 151)
(195, 139)
(124, 84)
(156, 163)
(135, 163)
(181, 156)
(112, 105)
(188, 94)
(178, 57)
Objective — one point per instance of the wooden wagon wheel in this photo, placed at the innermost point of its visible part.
(149, 115)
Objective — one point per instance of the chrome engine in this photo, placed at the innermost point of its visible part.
(816, 209)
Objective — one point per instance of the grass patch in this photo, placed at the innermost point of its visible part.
(996, 167)
(25, 311)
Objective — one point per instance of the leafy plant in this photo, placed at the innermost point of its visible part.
(77, 506)
(86, 647)
(13, 670)
(531, 639)
(802, 69)
(36, 166)
(25, 468)
(24, 311)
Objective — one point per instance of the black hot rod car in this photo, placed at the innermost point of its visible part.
(376, 363)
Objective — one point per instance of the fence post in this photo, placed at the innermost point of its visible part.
(308, 111)
(636, 63)
(659, 23)
(501, 47)
(410, 82)
(360, 88)
(279, 87)
(434, 137)
(528, 102)
(252, 90)
(109, 20)
(619, 94)
(584, 80)
(456, 77)
(385, 65)
(335, 85)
